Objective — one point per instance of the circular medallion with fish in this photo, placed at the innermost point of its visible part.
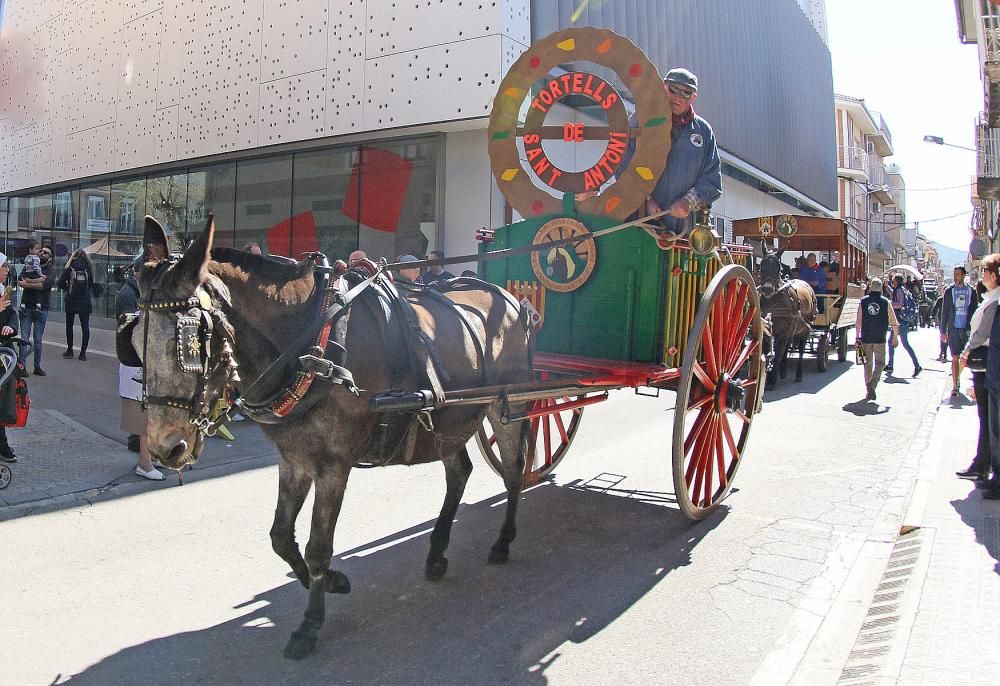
(563, 268)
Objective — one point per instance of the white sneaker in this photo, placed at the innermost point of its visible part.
(153, 474)
(237, 417)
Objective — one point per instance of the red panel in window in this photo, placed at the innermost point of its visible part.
(378, 200)
(279, 236)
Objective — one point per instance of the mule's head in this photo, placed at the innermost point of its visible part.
(770, 274)
(184, 342)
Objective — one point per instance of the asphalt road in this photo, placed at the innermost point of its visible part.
(607, 583)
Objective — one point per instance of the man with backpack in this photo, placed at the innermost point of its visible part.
(905, 308)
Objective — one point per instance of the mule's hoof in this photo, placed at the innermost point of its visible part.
(434, 571)
(499, 557)
(299, 647)
(337, 582)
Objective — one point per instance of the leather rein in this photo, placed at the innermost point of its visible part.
(205, 347)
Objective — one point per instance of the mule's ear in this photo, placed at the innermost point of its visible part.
(154, 241)
(192, 264)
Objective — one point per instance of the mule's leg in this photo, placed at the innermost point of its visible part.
(783, 359)
(798, 366)
(293, 486)
(457, 469)
(512, 441)
(330, 486)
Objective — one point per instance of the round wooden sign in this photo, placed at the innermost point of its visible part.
(566, 267)
(534, 185)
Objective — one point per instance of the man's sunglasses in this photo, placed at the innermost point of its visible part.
(686, 94)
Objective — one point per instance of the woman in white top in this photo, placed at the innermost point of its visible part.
(979, 336)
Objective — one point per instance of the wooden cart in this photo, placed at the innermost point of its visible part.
(844, 288)
(615, 303)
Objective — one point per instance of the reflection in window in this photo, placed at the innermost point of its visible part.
(393, 195)
(263, 204)
(318, 219)
(63, 216)
(128, 206)
(166, 201)
(41, 211)
(212, 190)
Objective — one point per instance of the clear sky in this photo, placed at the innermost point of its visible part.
(904, 58)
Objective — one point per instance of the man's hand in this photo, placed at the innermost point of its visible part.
(652, 207)
(6, 331)
(944, 338)
(680, 209)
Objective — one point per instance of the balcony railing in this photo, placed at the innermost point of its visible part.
(987, 161)
(850, 157)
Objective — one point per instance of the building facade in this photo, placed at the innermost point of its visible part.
(314, 124)
(872, 194)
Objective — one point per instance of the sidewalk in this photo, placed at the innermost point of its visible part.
(955, 634)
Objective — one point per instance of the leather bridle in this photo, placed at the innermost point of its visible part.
(204, 347)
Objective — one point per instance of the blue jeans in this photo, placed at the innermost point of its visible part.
(904, 330)
(32, 328)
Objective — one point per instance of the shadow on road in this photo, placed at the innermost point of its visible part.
(865, 408)
(986, 528)
(581, 560)
(812, 381)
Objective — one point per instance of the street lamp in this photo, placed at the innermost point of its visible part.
(938, 140)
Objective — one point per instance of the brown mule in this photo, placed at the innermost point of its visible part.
(791, 306)
(250, 309)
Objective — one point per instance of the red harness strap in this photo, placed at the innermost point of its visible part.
(304, 379)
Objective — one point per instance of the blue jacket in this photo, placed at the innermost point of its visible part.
(693, 165)
(814, 276)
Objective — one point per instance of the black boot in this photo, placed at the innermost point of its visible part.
(977, 470)
(68, 353)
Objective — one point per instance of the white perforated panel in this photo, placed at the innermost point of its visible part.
(292, 108)
(6, 153)
(165, 125)
(294, 37)
(140, 8)
(345, 67)
(30, 166)
(396, 26)
(439, 83)
(134, 137)
(220, 75)
(174, 47)
(89, 152)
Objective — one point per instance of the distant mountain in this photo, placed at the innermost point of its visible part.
(949, 256)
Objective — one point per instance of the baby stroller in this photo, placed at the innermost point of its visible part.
(9, 368)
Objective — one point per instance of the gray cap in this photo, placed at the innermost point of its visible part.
(407, 258)
(682, 77)
(875, 284)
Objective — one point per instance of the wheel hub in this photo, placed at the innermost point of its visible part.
(732, 396)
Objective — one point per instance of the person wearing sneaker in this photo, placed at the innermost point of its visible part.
(958, 304)
(979, 336)
(875, 317)
(77, 281)
(8, 328)
(35, 306)
(134, 418)
(907, 320)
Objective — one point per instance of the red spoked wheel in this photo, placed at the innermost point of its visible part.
(549, 440)
(719, 391)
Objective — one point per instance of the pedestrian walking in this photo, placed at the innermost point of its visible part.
(979, 339)
(77, 281)
(875, 318)
(8, 329)
(958, 304)
(905, 309)
(35, 301)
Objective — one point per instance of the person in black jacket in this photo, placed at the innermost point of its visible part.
(77, 281)
(8, 329)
